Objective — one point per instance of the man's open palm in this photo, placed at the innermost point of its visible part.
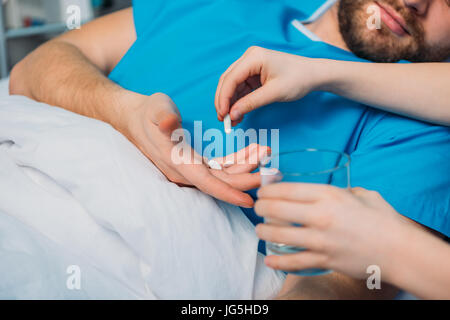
(150, 128)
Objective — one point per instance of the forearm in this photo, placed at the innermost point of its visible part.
(421, 265)
(418, 90)
(59, 74)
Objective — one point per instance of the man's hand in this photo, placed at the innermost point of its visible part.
(261, 77)
(149, 124)
(70, 72)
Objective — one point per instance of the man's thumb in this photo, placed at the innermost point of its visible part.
(169, 123)
(165, 113)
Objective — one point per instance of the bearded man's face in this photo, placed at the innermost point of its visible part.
(414, 30)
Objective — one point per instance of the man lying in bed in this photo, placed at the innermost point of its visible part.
(159, 51)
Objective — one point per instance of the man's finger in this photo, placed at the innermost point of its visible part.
(249, 155)
(171, 174)
(251, 160)
(169, 124)
(241, 181)
(240, 168)
(202, 178)
(165, 114)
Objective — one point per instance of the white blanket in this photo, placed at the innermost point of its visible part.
(75, 192)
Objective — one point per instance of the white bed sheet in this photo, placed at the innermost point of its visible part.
(73, 191)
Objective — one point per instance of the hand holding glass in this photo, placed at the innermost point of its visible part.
(305, 166)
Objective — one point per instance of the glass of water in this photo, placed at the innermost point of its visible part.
(305, 166)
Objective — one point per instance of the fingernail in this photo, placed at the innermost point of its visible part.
(258, 193)
(235, 115)
(248, 206)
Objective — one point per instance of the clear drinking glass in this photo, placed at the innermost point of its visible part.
(306, 166)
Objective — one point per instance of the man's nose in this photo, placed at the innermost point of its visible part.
(419, 7)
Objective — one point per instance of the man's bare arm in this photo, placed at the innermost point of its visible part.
(70, 71)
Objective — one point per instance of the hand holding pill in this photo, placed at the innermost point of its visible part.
(261, 77)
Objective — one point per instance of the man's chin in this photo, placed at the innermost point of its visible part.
(382, 55)
(381, 47)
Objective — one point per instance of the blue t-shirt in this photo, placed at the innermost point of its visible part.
(184, 46)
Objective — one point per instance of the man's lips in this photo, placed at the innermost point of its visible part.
(393, 20)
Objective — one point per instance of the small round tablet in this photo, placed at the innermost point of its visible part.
(213, 164)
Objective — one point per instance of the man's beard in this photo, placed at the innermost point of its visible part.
(381, 45)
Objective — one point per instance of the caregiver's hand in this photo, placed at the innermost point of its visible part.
(261, 77)
(345, 231)
(149, 124)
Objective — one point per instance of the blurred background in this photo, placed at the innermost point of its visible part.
(25, 24)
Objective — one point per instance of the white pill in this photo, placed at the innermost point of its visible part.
(227, 123)
(228, 164)
(213, 164)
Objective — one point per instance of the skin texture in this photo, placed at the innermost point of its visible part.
(348, 231)
(71, 73)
